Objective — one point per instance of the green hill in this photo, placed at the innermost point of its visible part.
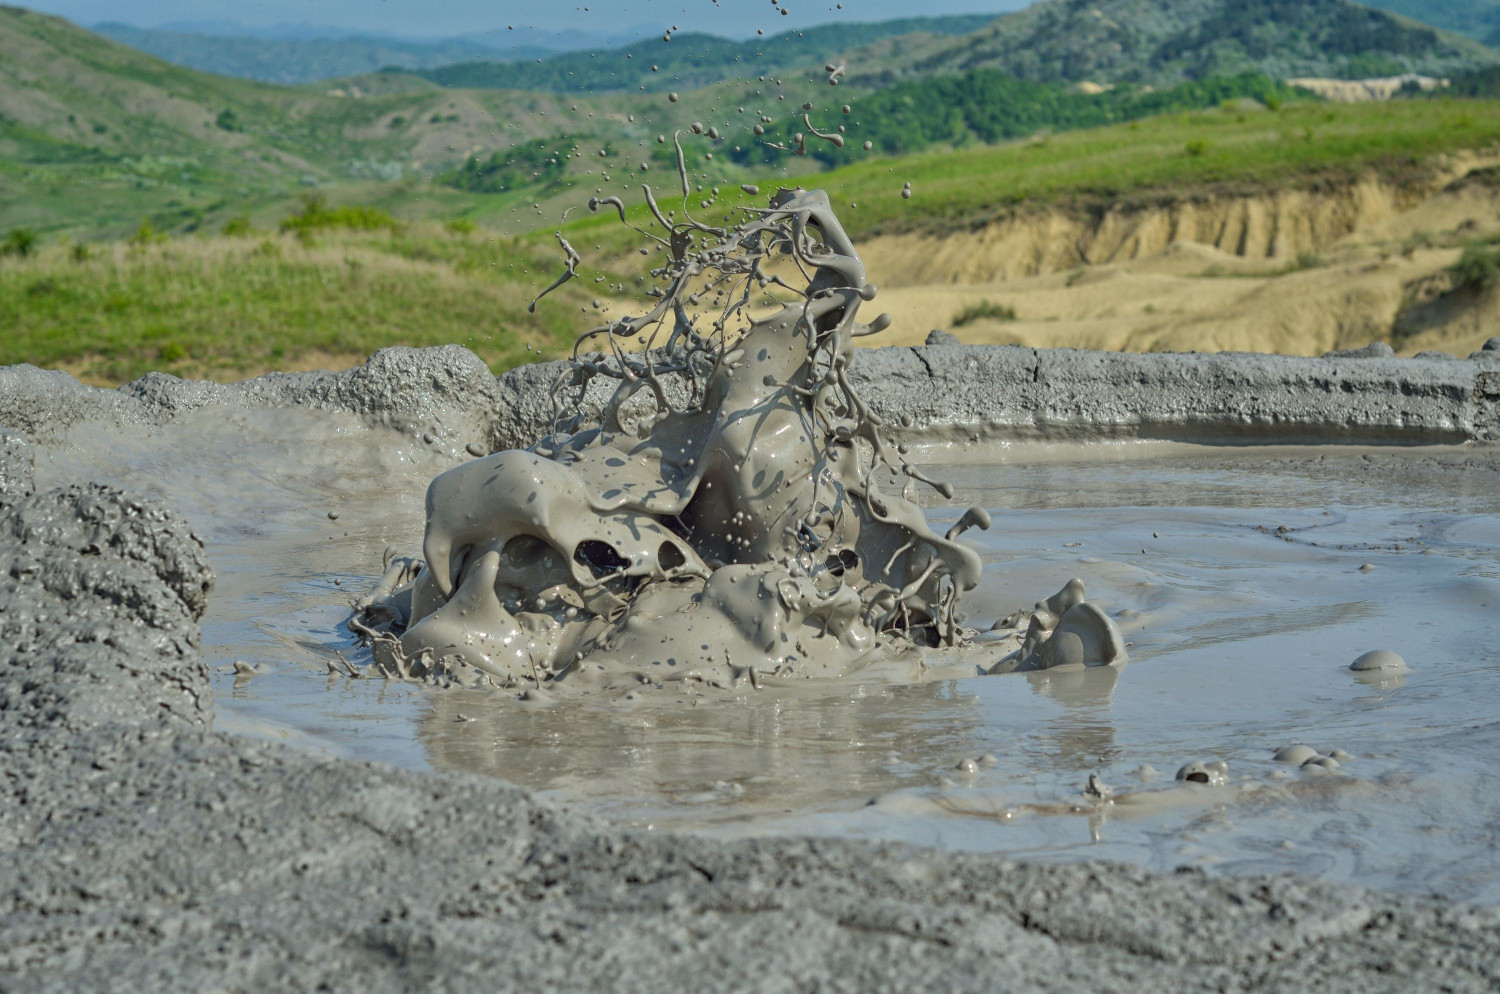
(94, 135)
(1165, 41)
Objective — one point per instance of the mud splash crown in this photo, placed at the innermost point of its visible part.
(737, 513)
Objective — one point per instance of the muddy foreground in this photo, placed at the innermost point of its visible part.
(140, 850)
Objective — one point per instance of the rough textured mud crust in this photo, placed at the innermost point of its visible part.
(139, 850)
(15, 465)
(408, 388)
(950, 392)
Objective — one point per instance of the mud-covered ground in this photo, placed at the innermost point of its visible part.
(140, 850)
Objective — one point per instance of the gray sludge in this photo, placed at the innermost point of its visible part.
(950, 393)
(141, 851)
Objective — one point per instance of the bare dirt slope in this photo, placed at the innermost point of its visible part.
(1295, 272)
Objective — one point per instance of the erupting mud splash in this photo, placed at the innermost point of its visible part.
(738, 513)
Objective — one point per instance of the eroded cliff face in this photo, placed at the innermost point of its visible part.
(1299, 272)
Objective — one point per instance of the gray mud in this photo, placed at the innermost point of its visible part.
(140, 850)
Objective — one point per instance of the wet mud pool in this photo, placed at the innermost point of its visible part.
(1235, 574)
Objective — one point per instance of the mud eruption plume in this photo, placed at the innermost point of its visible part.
(737, 513)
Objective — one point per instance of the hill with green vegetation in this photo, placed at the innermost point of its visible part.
(1159, 42)
(1228, 149)
(95, 135)
(691, 60)
(987, 106)
(1478, 19)
(296, 60)
(328, 282)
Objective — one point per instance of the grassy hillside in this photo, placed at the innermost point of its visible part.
(228, 306)
(295, 60)
(232, 305)
(1162, 41)
(94, 135)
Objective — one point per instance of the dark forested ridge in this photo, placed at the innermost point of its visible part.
(987, 106)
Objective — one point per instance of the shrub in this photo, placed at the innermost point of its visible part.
(20, 242)
(1196, 148)
(316, 215)
(461, 226)
(1477, 268)
(985, 310)
(238, 226)
(1417, 240)
(146, 234)
(228, 120)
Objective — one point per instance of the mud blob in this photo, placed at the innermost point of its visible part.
(1296, 755)
(1215, 774)
(737, 515)
(1380, 661)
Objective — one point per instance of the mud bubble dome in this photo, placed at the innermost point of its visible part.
(733, 514)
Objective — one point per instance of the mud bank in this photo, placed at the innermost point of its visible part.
(139, 850)
(949, 394)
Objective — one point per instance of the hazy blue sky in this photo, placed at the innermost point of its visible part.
(454, 17)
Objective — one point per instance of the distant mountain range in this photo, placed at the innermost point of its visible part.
(1055, 40)
(691, 60)
(302, 53)
(298, 61)
(1155, 42)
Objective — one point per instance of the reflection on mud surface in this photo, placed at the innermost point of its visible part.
(1235, 574)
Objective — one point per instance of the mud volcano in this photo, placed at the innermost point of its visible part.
(762, 530)
(204, 786)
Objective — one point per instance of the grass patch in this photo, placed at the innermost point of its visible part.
(21, 242)
(316, 215)
(225, 307)
(1478, 268)
(985, 310)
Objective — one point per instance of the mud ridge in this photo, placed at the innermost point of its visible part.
(950, 394)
